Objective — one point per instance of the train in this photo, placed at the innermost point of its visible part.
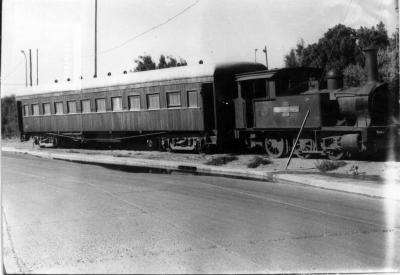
(222, 106)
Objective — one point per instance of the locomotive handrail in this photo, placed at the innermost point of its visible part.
(345, 94)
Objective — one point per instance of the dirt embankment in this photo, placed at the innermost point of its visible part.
(350, 168)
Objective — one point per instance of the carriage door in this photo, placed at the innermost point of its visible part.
(208, 106)
(244, 105)
(249, 91)
(240, 109)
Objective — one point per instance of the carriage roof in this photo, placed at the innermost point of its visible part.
(151, 76)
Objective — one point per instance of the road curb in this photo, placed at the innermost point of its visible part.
(376, 193)
(147, 163)
(317, 182)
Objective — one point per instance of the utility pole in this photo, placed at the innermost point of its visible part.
(397, 22)
(30, 66)
(396, 4)
(95, 38)
(255, 55)
(266, 56)
(26, 68)
(37, 67)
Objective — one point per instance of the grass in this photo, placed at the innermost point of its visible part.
(82, 151)
(73, 151)
(329, 165)
(257, 161)
(119, 155)
(221, 160)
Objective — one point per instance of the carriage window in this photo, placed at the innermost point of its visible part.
(174, 99)
(116, 103)
(26, 110)
(259, 88)
(59, 108)
(256, 88)
(85, 104)
(35, 109)
(100, 105)
(192, 99)
(271, 89)
(134, 102)
(71, 105)
(153, 101)
(46, 109)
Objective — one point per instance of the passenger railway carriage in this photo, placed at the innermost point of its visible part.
(181, 108)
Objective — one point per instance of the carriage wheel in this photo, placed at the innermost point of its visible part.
(152, 144)
(275, 147)
(201, 146)
(164, 145)
(302, 147)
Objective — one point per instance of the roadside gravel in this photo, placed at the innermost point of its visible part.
(355, 169)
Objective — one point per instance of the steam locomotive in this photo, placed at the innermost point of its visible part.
(223, 106)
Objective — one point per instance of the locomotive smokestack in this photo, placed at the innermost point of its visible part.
(371, 64)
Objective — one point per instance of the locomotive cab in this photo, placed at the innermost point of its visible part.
(271, 106)
(271, 92)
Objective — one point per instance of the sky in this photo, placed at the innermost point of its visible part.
(208, 30)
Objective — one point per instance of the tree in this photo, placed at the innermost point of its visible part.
(291, 59)
(182, 62)
(373, 37)
(162, 63)
(170, 61)
(354, 75)
(9, 117)
(145, 62)
(339, 47)
(388, 62)
(388, 66)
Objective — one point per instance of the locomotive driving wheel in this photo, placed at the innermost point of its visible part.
(304, 145)
(335, 154)
(275, 147)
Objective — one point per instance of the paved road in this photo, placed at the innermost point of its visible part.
(78, 218)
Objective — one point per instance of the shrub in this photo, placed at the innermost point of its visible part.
(257, 161)
(119, 155)
(329, 165)
(221, 160)
(354, 75)
(9, 118)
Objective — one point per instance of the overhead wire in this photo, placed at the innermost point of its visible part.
(144, 32)
(148, 30)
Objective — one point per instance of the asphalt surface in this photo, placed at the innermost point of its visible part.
(63, 217)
